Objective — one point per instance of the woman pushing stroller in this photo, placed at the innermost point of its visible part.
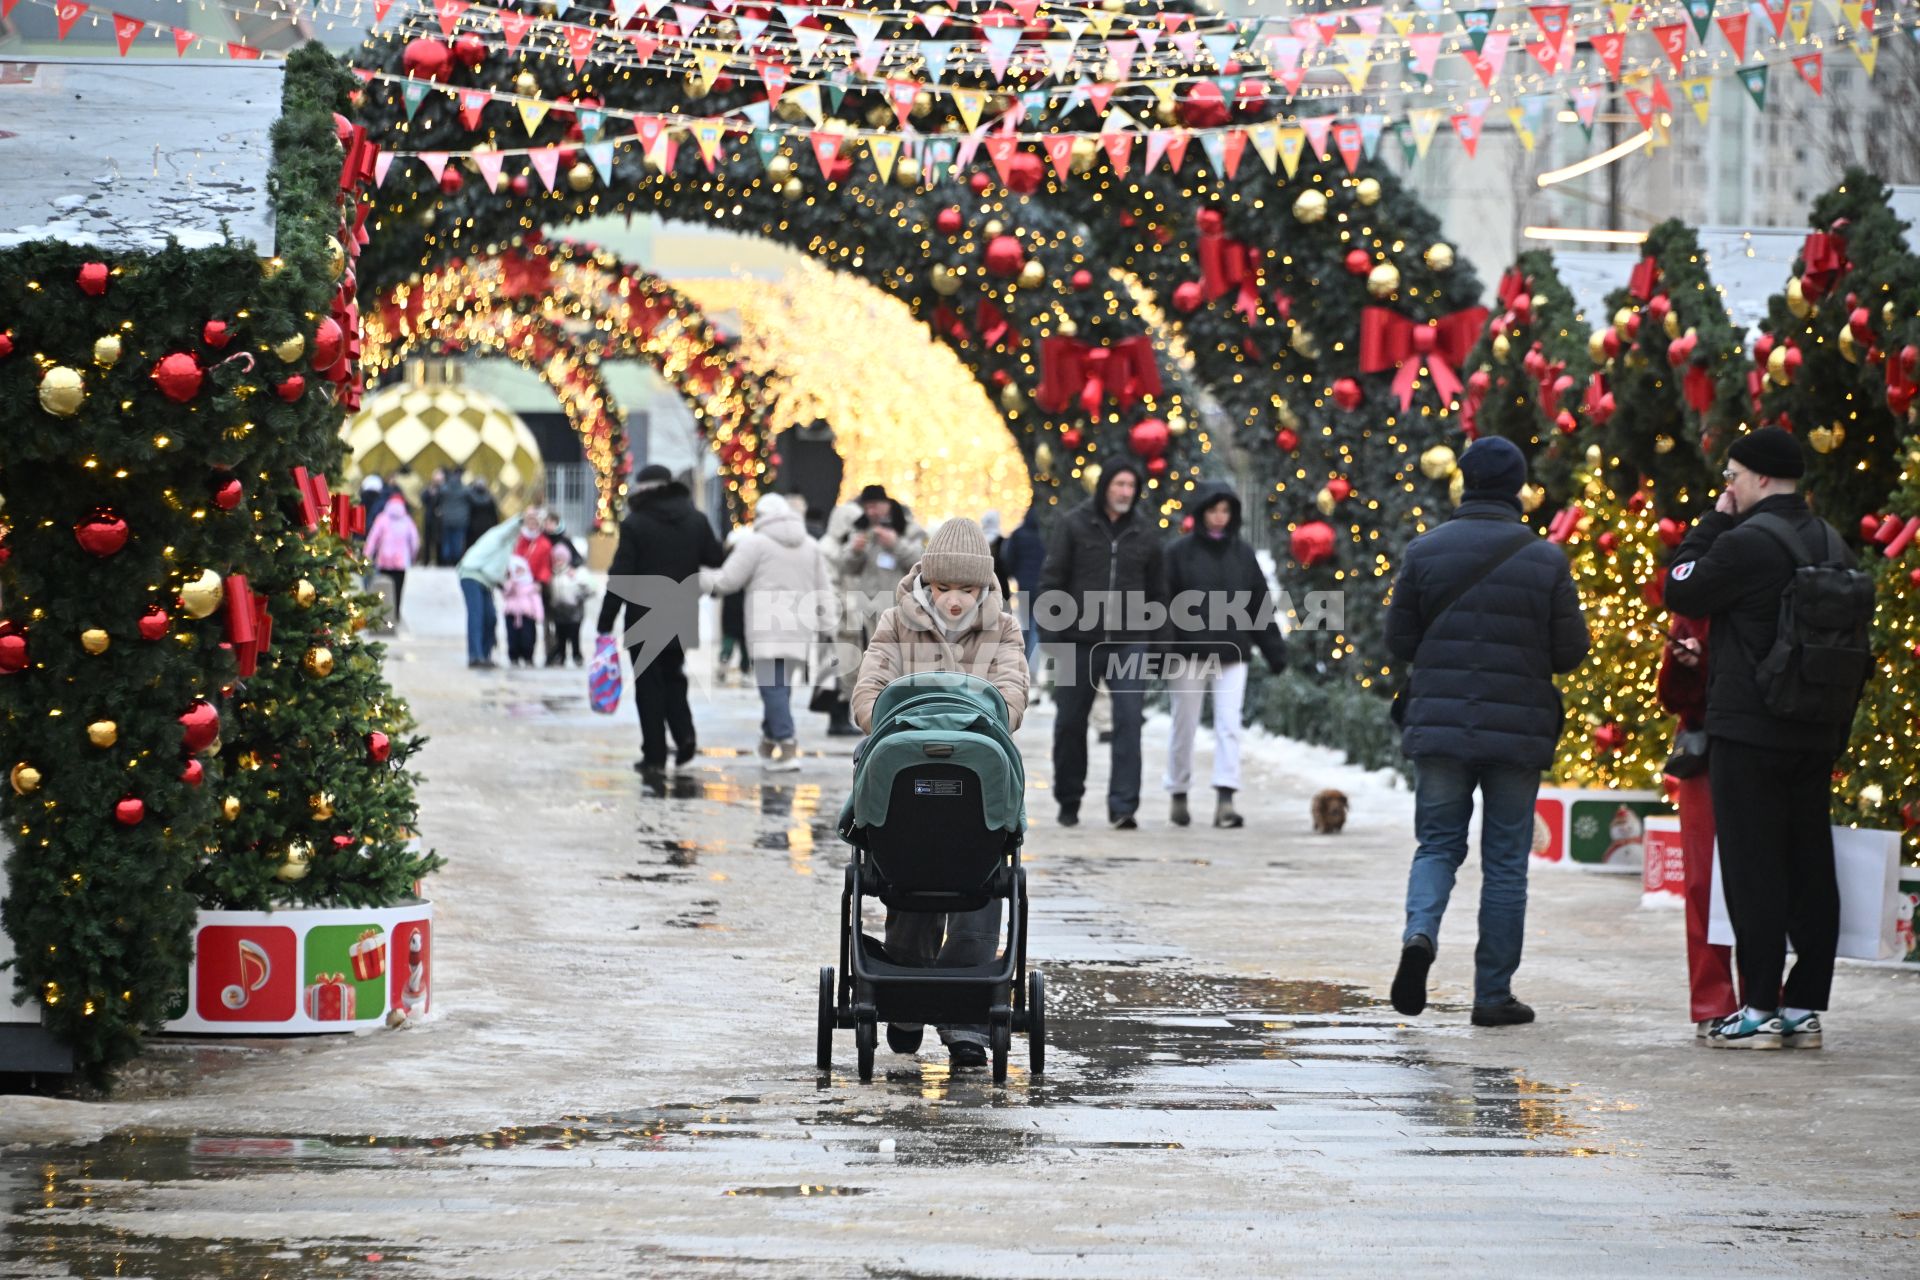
(948, 615)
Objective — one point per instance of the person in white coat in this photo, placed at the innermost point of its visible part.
(790, 606)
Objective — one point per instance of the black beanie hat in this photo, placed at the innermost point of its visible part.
(1492, 467)
(1770, 451)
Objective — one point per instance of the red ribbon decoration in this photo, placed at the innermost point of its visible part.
(312, 493)
(348, 518)
(1698, 387)
(1070, 368)
(1227, 264)
(1901, 387)
(1565, 523)
(1596, 393)
(242, 615)
(1825, 257)
(1390, 340)
(990, 323)
(1512, 285)
(1646, 274)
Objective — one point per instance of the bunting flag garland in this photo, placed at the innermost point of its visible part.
(1811, 70)
(1755, 81)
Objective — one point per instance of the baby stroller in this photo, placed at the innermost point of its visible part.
(935, 820)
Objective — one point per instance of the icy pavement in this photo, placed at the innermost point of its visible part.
(618, 1078)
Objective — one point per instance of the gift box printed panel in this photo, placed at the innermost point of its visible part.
(333, 990)
(1594, 828)
(1906, 907)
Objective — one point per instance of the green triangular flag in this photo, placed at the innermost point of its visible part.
(1701, 11)
(1409, 150)
(412, 94)
(1477, 23)
(1755, 79)
(767, 144)
(837, 84)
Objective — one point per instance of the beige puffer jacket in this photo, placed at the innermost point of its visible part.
(906, 641)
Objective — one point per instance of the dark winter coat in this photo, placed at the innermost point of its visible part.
(1482, 687)
(1212, 574)
(485, 511)
(1101, 563)
(1022, 554)
(664, 536)
(1736, 575)
(456, 506)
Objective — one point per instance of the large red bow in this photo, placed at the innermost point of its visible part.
(1390, 340)
(1069, 367)
(1697, 386)
(1825, 257)
(1512, 284)
(1227, 264)
(1646, 274)
(249, 625)
(312, 491)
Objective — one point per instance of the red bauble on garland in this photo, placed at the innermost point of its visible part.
(1671, 531)
(1347, 393)
(1082, 280)
(1024, 173)
(1340, 488)
(1004, 256)
(292, 389)
(950, 220)
(518, 184)
(1204, 106)
(470, 49)
(1608, 542)
(227, 493)
(1071, 437)
(451, 181)
(129, 811)
(179, 376)
(216, 333)
(194, 773)
(1157, 467)
(13, 650)
(1148, 437)
(153, 623)
(1311, 543)
(979, 182)
(1187, 296)
(379, 747)
(1359, 262)
(101, 534)
(93, 278)
(199, 727)
(328, 343)
(1287, 439)
(426, 59)
(1609, 737)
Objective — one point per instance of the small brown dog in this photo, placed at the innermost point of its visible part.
(1329, 812)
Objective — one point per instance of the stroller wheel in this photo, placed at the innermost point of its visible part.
(1000, 1033)
(823, 1047)
(1036, 1023)
(866, 1035)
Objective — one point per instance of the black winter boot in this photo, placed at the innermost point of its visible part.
(1179, 815)
(1223, 812)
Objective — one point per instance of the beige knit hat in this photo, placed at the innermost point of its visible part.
(958, 555)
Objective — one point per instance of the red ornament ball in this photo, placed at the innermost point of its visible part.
(1671, 531)
(194, 773)
(179, 376)
(1024, 173)
(1287, 439)
(470, 49)
(153, 623)
(130, 811)
(215, 333)
(1005, 256)
(451, 181)
(1347, 393)
(328, 343)
(1204, 106)
(518, 184)
(1071, 437)
(1158, 466)
(1608, 542)
(93, 279)
(426, 59)
(1083, 280)
(6, 343)
(1148, 437)
(1311, 543)
(379, 747)
(1359, 262)
(979, 182)
(950, 220)
(1567, 423)
(1340, 488)
(1188, 295)
(101, 534)
(292, 389)
(13, 653)
(227, 493)
(199, 727)
(1609, 737)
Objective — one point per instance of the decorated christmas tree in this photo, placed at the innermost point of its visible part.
(1677, 373)
(1833, 372)
(1531, 374)
(1617, 734)
(1879, 780)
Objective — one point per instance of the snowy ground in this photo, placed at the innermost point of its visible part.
(618, 1077)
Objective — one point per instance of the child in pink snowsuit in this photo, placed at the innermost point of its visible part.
(520, 602)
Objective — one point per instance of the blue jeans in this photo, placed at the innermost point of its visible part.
(453, 543)
(776, 698)
(481, 621)
(1443, 805)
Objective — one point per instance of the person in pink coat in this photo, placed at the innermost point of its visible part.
(520, 602)
(393, 544)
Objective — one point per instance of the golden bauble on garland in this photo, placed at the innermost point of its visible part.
(907, 173)
(1384, 280)
(1597, 346)
(1310, 206)
(320, 805)
(1671, 324)
(1439, 256)
(62, 391)
(305, 593)
(526, 85)
(94, 640)
(230, 808)
(792, 191)
(25, 779)
(1011, 398)
(779, 169)
(103, 733)
(1797, 299)
(318, 661)
(1502, 346)
(289, 350)
(1367, 191)
(1777, 368)
(1663, 444)
(580, 177)
(1090, 477)
(296, 863)
(1438, 462)
(202, 596)
(944, 280)
(106, 351)
(1032, 275)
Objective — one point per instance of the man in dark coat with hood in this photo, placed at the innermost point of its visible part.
(663, 536)
(1486, 613)
(1101, 587)
(1220, 613)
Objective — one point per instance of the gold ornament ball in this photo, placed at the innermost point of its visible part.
(1594, 457)
(790, 111)
(94, 640)
(922, 103)
(580, 177)
(305, 593)
(1303, 343)
(1011, 398)
(1310, 206)
(1849, 350)
(1821, 438)
(1531, 497)
(792, 192)
(62, 391)
(1663, 444)
(1085, 152)
(298, 861)
(1437, 462)
(1777, 367)
(1621, 319)
(1671, 324)
(994, 227)
(1090, 477)
(1043, 457)
(318, 661)
(1502, 346)
(336, 258)
(103, 733)
(1439, 256)
(1066, 327)
(1888, 314)
(290, 349)
(320, 805)
(1797, 299)
(25, 779)
(907, 173)
(106, 351)
(779, 169)
(1384, 280)
(879, 116)
(696, 88)
(526, 85)
(203, 595)
(945, 281)
(1597, 346)
(1324, 501)
(1032, 275)
(230, 808)
(1457, 488)
(1367, 191)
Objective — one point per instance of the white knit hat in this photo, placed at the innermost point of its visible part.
(957, 555)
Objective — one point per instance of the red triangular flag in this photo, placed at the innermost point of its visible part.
(825, 147)
(1809, 66)
(472, 103)
(1641, 105)
(1547, 55)
(1059, 150)
(513, 25)
(1119, 150)
(644, 45)
(1609, 45)
(1231, 148)
(1469, 130)
(1551, 19)
(448, 11)
(1348, 140)
(126, 30)
(241, 52)
(1000, 149)
(1735, 30)
(182, 41)
(773, 74)
(1776, 11)
(1673, 42)
(1177, 148)
(1100, 93)
(580, 44)
(380, 8)
(68, 12)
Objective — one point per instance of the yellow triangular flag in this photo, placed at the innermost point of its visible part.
(1293, 144)
(1355, 50)
(1102, 22)
(1425, 122)
(970, 102)
(1267, 144)
(1854, 13)
(707, 133)
(531, 114)
(1162, 93)
(808, 100)
(1622, 14)
(1699, 92)
(1799, 14)
(1402, 24)
(710, 63)
(883, 147)
(1869, 54)
(1520, 129)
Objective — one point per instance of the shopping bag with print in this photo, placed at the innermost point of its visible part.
(603, 676)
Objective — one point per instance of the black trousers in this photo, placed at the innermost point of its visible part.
(566, 636)
(1776, 862)
(1074, 687)
(660, 694)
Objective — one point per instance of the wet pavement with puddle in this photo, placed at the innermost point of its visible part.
(1190, 1117)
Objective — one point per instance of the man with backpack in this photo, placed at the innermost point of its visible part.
(1790, 654)
(1486, 613)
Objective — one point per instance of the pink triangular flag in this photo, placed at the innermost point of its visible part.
(1426, 51)
(1119, 150)
(490, 162)
(381, 163)
(546, 163)
(1156, 148)
(1317, 128)
(579, 44)
(436, 162)
(1177, 148)
(1232, 147)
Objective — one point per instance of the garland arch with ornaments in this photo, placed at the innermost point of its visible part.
(155, 404)
(1832, 364)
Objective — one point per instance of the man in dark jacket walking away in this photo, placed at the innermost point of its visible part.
(1020, 557)
(1771, 773)
(456, 511)
(1220, 615)
(1104, 561)
(663, 536)
(1486, 613)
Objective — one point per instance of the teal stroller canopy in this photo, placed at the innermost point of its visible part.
(946, 718)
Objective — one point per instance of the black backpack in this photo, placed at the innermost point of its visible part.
(1821, 654)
